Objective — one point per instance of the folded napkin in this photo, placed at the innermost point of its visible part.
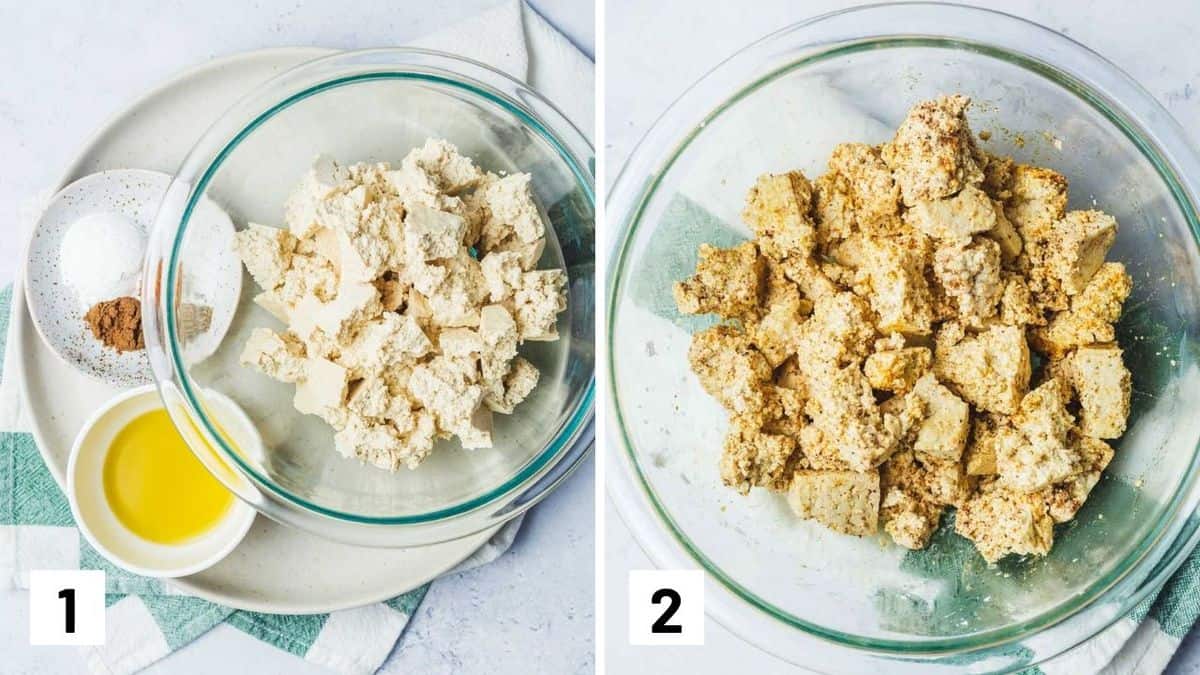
(705, 209)
(147, 619)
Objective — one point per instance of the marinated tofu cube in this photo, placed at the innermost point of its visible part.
(1103, 385)
(955, 219)
(728, 282)
(896, 287)
(933, 155)
(990, 370)
(897, 370)
(729, 368)
(942, 435)
(1078, 245)
(843, 501)
(970, 278)
(779, 210)
(1002, 522)
(1091, 315)
(1045, 457)
(752, 457)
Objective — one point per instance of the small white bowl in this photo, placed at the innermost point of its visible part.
(99, 524)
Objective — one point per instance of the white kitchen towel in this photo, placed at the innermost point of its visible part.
(152, 621)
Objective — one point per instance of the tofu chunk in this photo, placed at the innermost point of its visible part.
(431, 234)
(843, 501)
(970, 278)
(279, 356)
(777, 333)
(838, 332)
(1003, 522)
(1063, 500)
(779, 210)
(896, 287)
(729, 368)
(1038, 199)
(267, 253)
(991, 435)
(1078, 245)
(842, 406)
(897, 370)
(752, 457)
(990, 370)
(728, 282)
(1103, 385)
(1090, 317)
(955, 219)
(875, 197)
(942, 435)
(1045, 457)
(933, 155)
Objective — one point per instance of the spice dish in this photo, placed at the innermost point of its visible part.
(113, 210)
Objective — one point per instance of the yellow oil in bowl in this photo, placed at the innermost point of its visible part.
(156, 486)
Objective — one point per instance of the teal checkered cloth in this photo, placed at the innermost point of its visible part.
(147, 618)
(1143, 642)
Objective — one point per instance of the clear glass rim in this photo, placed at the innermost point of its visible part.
(877, 28)
(574, 436)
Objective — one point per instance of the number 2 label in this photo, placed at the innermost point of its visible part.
(666, 607)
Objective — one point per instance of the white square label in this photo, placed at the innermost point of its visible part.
(66, 607)
(666, 607)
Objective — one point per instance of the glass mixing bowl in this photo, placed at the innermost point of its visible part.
(790, 586)
(371, 105)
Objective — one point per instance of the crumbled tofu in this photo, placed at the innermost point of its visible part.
(842, 406)
(875, 198)
(1003, 522)
(990, 370)
(278, 356)
(896, 287)
(1091, 315)
(897, 370)
(1103, 385)
(933, 155)
(752, 457)
(778, 209)
(1037, 200)
(270, 249)
(1045, 457)
(839, 331)
(374, 270)
(970, 278)
(539, 300)
(728, 282)
(433, 234)
(512, 213)
(942, 435)
(955, 219)
(843, 501)
(1078, 245)
(729, 368)
(875, 359)
(777, 333)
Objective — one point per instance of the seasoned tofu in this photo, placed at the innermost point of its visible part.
(969, 276)
(1091, 315)
(1005, 234)
(1077, 246)
(839, 331)
(1016, 303)
(777, 333)
(943, 433)
(1037, 200)
(779, 210)
(915, 493)
(728, 282)
(752, 457)
(729, 368)
(897, 370)
(955, 219)
(842, 406)
(1103, 385)
(991, 435)
(1063, 500)
(990, 370)
(896, 287)
(1045, 457)
(1002, 522)
(933, 155)
(843, 501)
(875, 197)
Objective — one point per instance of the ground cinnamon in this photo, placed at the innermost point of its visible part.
(117, 323)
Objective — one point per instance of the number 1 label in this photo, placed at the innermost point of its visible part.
(666, 607)
(66, 607)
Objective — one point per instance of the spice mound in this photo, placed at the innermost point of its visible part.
(117, 323)
(406, 292)
(924, 327)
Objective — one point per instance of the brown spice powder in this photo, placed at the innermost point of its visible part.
(117, 323)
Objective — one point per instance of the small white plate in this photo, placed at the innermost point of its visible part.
(100, 525)
(58, 312)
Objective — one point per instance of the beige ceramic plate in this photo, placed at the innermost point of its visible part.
(276, 569)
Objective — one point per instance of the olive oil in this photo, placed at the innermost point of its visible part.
(156, 486)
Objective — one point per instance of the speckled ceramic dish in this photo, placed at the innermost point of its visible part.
(58, 312)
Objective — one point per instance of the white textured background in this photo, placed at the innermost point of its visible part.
(654, 50)
(67, 69)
